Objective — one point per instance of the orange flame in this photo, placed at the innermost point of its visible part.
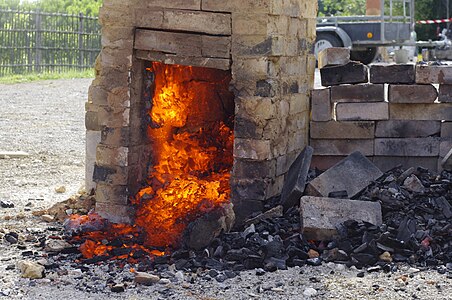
(191, 171)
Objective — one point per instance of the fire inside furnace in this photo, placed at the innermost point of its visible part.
(191, 134)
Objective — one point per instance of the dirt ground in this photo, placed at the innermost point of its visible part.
(46, 119)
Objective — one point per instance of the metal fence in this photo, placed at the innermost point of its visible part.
(46, 42)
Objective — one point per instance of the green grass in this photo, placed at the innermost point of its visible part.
(46, 76)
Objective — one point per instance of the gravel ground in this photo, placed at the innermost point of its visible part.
(46, 119)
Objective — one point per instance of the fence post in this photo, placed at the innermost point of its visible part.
(80, 42)
(38, 42)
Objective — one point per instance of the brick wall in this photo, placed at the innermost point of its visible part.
(266, 44)
(403, 115)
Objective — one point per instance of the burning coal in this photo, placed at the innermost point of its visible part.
(192, 138)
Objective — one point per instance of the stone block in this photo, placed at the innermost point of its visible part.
(420, 93)
(258, 6)
(353, 72)
(197, 21)
(257, 45)
(398, 74)
(249, 23)
(325, 162)
(321, 108)
(352, 174)
(434, 111)
(386, 163)
(92, 121)
(320, 216)
(113, 194)
(342, 147)
(445, 93)
(180, 4)
(168, 42)
(109, 156)
(446, 163)
(295, 183)
(362, 111)
(115, 213)
(407, 146)
(434, 74)
(251, 169)
(216, 46)
(252, 149)
(116, 136)
(342, 130)
(358, 93)
(446, 130)
(249, 188)
(444, 147)
(407, 129)
(333, 56)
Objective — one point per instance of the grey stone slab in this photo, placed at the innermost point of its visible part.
(342, 147)
(342, 130)
(446, 129)
(392, 74)
(446, 163)
(321, 107)
(412, 93)
(434, 74)
(407, 128)
(418, 111)
(386, 163)
(295, 183)
(320, 216)
(333, 56)
(445, 93)
(358, 93)
(352, 72)
(352, 174)
(372, 111)
(407, 146)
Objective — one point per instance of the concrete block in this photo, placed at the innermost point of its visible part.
(392, 74)
(446, 163)
(362, 111)
(321, 108)
(333, 56)
(407, 128)
(352, 174)
(434, 74)
(353, 72)
(407, 147)
(342, 147)
(295, 183)
(434, 111)
(386, 163)
(446, 130)
(421, 93)
(445, 93)
(358, 93)
(342, 130)
(320, 216)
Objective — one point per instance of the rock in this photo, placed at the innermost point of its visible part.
(118, 288)
(61, 189)
(200, 233)
(321, 216)
(296, 179)
(6, 204)
(313, 254)
(31, 269)
(260, 272)
(179, 276)
(413, 184)
(11, 238)
(386, 257)
(48, 218)
(56, 245)
(360, 274)
(352, 174)
(164, 281)
(310, 292)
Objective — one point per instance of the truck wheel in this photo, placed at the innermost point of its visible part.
(365, 56)
(325, 40)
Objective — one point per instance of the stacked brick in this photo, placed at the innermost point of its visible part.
(399, 117)
(267, 45)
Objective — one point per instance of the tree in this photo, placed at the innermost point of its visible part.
(87, 7)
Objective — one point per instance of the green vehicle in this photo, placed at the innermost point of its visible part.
(390, 24)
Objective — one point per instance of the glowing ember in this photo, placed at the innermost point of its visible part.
(191, 164)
